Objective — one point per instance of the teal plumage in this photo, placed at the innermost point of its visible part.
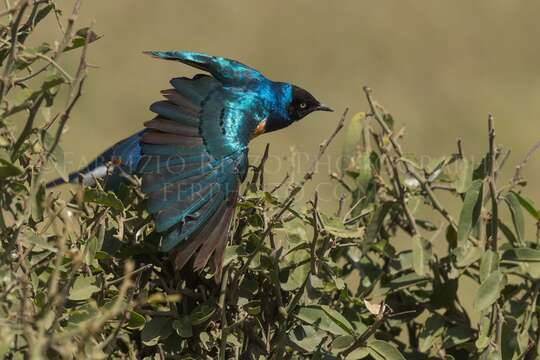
(192, 156)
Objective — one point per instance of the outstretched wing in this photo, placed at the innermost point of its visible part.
(194, 157)
(228, 72)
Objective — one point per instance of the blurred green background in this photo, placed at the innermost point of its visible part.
(439, 67)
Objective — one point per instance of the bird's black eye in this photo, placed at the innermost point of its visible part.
(303, 105)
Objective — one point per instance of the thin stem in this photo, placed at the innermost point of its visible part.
(494, 222)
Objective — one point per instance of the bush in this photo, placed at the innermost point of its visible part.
(83, 277)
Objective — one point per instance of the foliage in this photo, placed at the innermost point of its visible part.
(83, 277)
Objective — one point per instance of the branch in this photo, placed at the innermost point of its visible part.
(492, 186)
(295, 190)
(76, 91)
(397, 148)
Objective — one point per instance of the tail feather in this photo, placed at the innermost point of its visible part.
(124, 157)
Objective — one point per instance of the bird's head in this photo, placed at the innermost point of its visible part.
(297, 103)
(303, 103)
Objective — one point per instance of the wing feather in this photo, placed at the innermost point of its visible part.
(194, 156)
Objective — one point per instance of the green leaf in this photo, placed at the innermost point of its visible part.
(135, 320)
(383, 350)
(402, 263)
(528, 205)
(253, 307)
(451, 237)
(467, 255)
(52, 80)
(103, 198)
(510, 347)
(77, 317)
(481, 171)
(517, 215)
(338, 318)
(489, 291)
(7, 169)
(407, 280)
(37, 196)
(156, 329)
(493, 354)
(316, 316)
(358, 354)
(522, 255)
(377, 221)
(39, 241)
(298, 274)
(341, 343)
(307, 337)
(296, 232)
(365, 172)
(83, 288)
(470, 211)
(80, 38)
(389, 120)
(22, 100)
(28, 57)
(57, 156)
(488, 264)
(402, 282)
(421, 250)
(457, 335)
(432, 329)
(345, 233)
(202, 314)
(353, 136)
(483, 338)
(336, 227)
(464, 178)
(91, 249)
(508, 233)
(233, 252)
(183, 327)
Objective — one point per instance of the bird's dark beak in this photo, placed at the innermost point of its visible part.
(323, 107)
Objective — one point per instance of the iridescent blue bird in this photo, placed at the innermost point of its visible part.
(192, 156)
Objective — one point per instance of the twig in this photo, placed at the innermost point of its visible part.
(397, 148)
(445, 187)
(281, 183)
(27, 126)
(74, 95)
(460, 148)
(494, 223)
(50, 61)
(14, 27)
(121, 278)
(315, 225)
(259, 171)
(517, 175)
(402, 196)
(342, 182)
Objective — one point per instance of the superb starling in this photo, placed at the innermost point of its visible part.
(192, 156)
